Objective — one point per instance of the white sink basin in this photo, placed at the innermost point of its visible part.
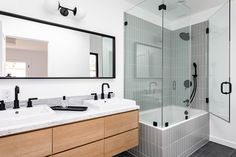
(24, 115)
(110, 103)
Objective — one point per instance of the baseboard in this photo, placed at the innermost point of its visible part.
(223, 142)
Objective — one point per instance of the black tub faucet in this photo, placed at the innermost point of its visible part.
(102, 94)
(187, 101)
(16, 101)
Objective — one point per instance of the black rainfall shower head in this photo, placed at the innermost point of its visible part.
(184, 36)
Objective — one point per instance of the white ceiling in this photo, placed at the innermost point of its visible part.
(175, 10)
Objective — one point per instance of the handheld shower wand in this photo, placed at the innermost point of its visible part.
(192, 96)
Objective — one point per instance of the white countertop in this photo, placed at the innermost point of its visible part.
(60, 118)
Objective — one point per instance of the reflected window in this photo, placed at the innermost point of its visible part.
(15, 69)
(93, 65)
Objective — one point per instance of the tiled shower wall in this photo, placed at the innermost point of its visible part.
(177, 64)
(180, 66)
(141, 31)
(182, 61)
(199, 46)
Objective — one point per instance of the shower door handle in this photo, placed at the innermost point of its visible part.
(222, 88)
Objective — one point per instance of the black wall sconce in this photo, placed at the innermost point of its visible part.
(65, 11)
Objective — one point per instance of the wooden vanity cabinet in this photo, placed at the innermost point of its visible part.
(120, 123)
(95, 149)
(120, 143)
(32, 144)
(73, 135)
(101, 137)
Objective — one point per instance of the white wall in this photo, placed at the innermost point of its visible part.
(220, 131)
(105, 16)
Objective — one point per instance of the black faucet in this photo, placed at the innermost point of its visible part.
(187, 102)
(2, 105)
(102, 94)
(29, 103)
(16, 101)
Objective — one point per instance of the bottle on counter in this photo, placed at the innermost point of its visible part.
(64, 102)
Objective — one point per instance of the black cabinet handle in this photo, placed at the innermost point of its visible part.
(222, 88)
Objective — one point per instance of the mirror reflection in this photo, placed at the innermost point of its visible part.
(148, 61)
(30, 49)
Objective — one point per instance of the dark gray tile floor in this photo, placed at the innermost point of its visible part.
(212, 149)
(125, 154)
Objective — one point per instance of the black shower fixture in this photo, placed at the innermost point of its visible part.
(184, 36)
(187, 84)
(65, 11)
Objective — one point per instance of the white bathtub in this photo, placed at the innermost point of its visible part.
(174, 115)
(180, 139)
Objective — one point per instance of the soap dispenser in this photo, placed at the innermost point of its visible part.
(64, 102)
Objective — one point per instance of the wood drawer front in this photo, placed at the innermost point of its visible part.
(32, 144)
(120, 143)
(77, 134)
(95, 149)
(121, 122)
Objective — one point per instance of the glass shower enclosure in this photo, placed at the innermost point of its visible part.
(159, 72)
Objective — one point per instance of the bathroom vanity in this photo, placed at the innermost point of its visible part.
(94, 133)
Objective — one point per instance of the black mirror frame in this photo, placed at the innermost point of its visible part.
(66, 27)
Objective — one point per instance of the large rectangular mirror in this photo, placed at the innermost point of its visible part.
(31, 48)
